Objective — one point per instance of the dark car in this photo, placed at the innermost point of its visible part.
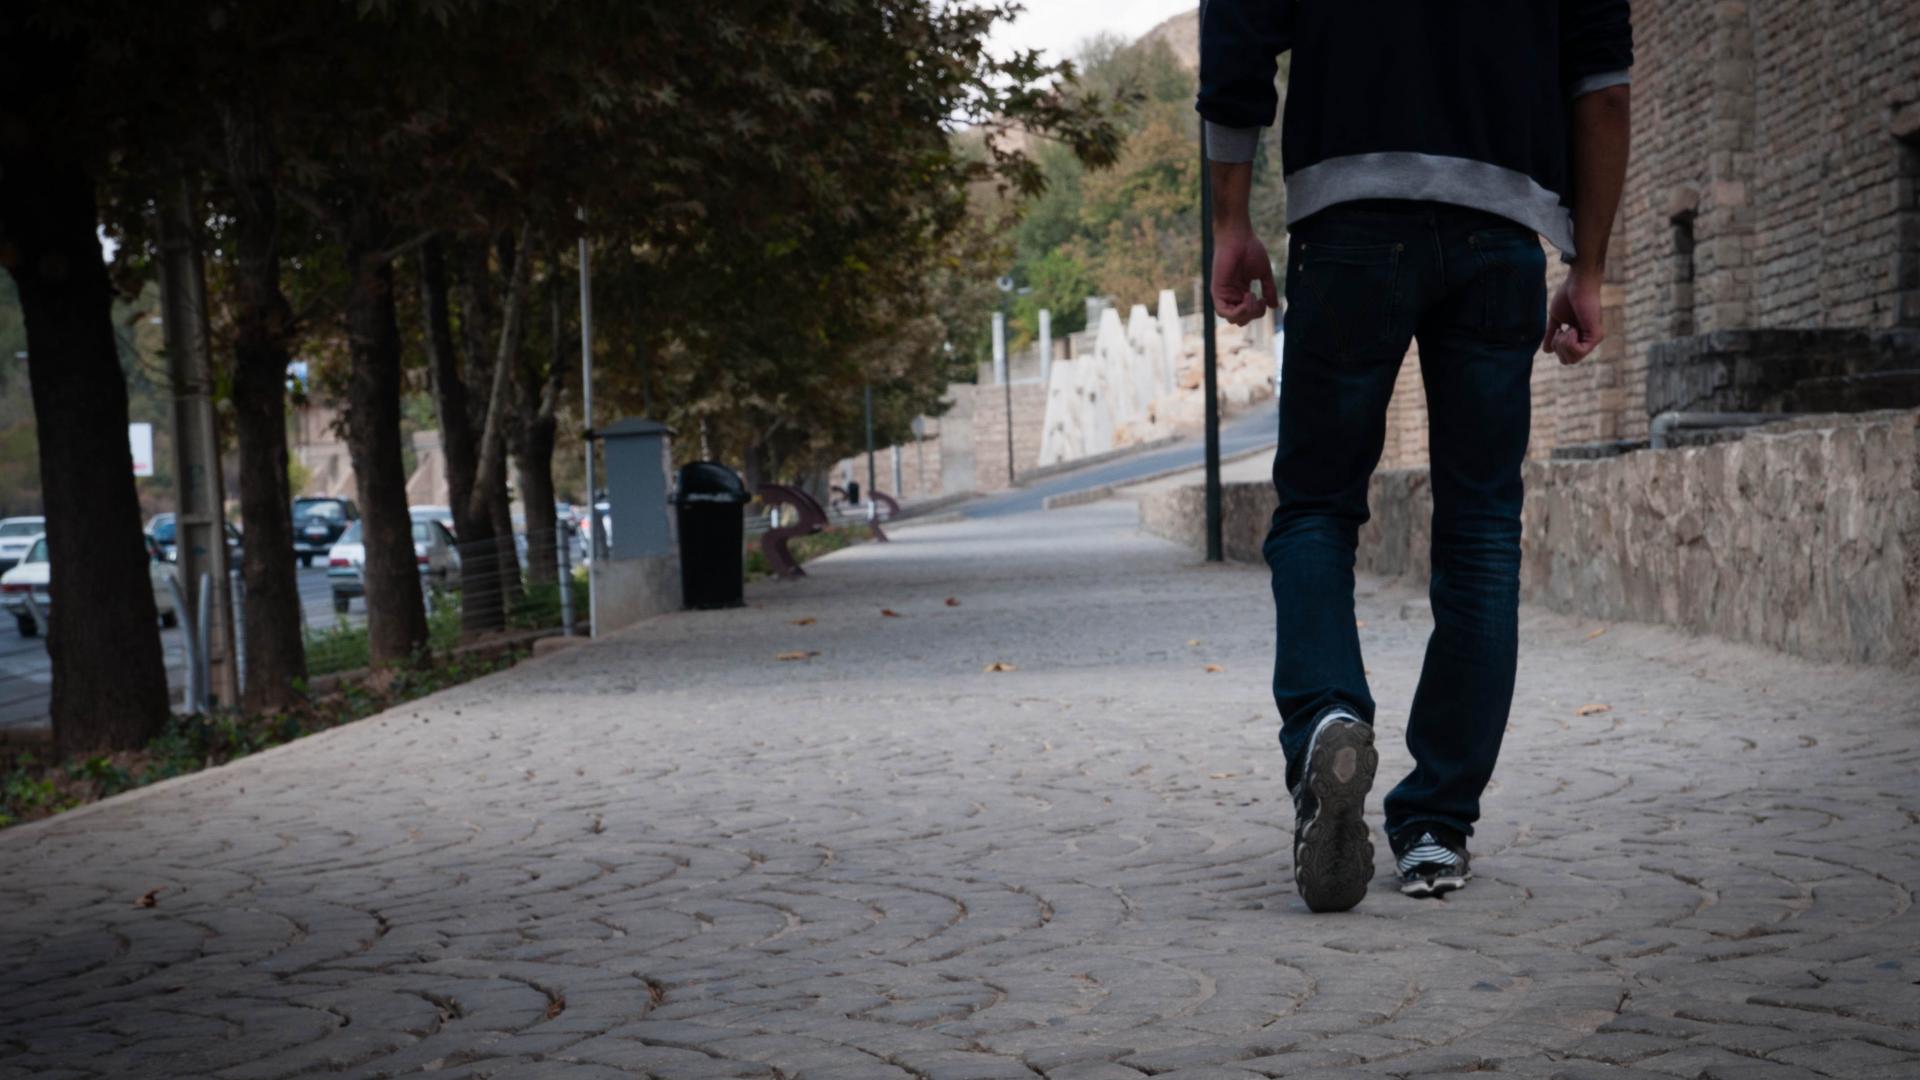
(163, 531)
(317, 525)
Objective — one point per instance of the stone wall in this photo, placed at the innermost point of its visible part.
(989, 421)
(1803, 536)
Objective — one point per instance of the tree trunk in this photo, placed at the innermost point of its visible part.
(263, 325)
(109, 683)
(489, 493)
(490, 475)
(538, 399)
(396, 615)
(480, 607)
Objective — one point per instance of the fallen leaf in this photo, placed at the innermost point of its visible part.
(1596, 633)
(1222, 775)
(797, 654)
(999, 665)
(889, 613)
(1360, 623)
(953, 601)
(555, 1007)
(808, 621)
(1592, 710)
(1193, 643)
(1214, 669)
(599, 825)
(149, 898)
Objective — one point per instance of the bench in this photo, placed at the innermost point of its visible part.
(809, 518)
(884, 506)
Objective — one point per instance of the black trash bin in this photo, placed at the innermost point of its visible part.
(710, 504)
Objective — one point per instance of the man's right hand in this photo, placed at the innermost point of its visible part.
(1239, 260)
(1574, 327)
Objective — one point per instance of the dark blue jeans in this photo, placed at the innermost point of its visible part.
(1363, 279)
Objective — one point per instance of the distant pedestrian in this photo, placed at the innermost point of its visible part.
(1426, 147)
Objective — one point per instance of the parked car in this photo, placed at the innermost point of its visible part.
(16, 536)
(163, 530)
(33, 574)
(318, 524)
(441, 514)
(433, 547)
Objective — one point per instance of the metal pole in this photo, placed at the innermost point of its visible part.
(586, 407)
(899, 485)
(183, 618)
(203, 618)
(1215, 552)
(1005, 374)
(563, 547)
(238, 591)
(200, 518)
(1046, 347)
(870, 480)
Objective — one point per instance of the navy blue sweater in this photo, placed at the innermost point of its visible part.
(1454, 101)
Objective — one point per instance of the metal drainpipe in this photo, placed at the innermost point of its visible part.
(1664, 425)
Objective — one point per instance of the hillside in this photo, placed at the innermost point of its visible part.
(1182, 35)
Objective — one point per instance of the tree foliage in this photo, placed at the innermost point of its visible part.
(1126, 232)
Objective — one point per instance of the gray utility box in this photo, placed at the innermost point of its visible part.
(640, 577)
(638, 481)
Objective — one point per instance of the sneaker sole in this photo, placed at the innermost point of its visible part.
(1439, 886)
(1333, 858)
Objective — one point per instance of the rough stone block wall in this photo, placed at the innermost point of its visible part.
(1803, 536)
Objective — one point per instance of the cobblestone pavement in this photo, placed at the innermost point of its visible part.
(672, 855)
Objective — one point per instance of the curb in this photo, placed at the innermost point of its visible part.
(1077, 498)
(1062, 467)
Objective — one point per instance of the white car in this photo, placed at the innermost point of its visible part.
(32, 576)
(16, 536)
(433, 547)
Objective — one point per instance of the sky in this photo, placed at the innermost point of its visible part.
(1058, 26)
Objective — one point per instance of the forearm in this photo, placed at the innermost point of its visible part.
(1232, 195)
(1601, 132)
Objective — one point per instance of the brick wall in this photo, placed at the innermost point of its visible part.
(966, 449)
(919, 469)
(1781, 140)
(989, 422)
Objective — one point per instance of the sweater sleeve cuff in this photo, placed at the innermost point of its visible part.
(1601, 81)
(1231, 145)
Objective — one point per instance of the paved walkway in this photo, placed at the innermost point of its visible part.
(672, 855)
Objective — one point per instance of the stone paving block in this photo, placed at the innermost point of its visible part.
(890, 864)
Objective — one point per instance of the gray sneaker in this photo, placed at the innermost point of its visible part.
(1332, 847)
(1431, 860)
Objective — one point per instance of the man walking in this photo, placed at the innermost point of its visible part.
(1427, 146)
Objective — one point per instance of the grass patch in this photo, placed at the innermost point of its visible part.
(805, 548)
(34, 786)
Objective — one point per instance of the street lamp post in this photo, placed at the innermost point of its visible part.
(1215, 552)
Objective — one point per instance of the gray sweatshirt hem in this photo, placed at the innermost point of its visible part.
(1231, 145)
(1601, 81)
(1431, 178)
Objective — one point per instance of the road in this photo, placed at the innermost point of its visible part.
(26, 676)
(1248, 432)
(669, 854)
